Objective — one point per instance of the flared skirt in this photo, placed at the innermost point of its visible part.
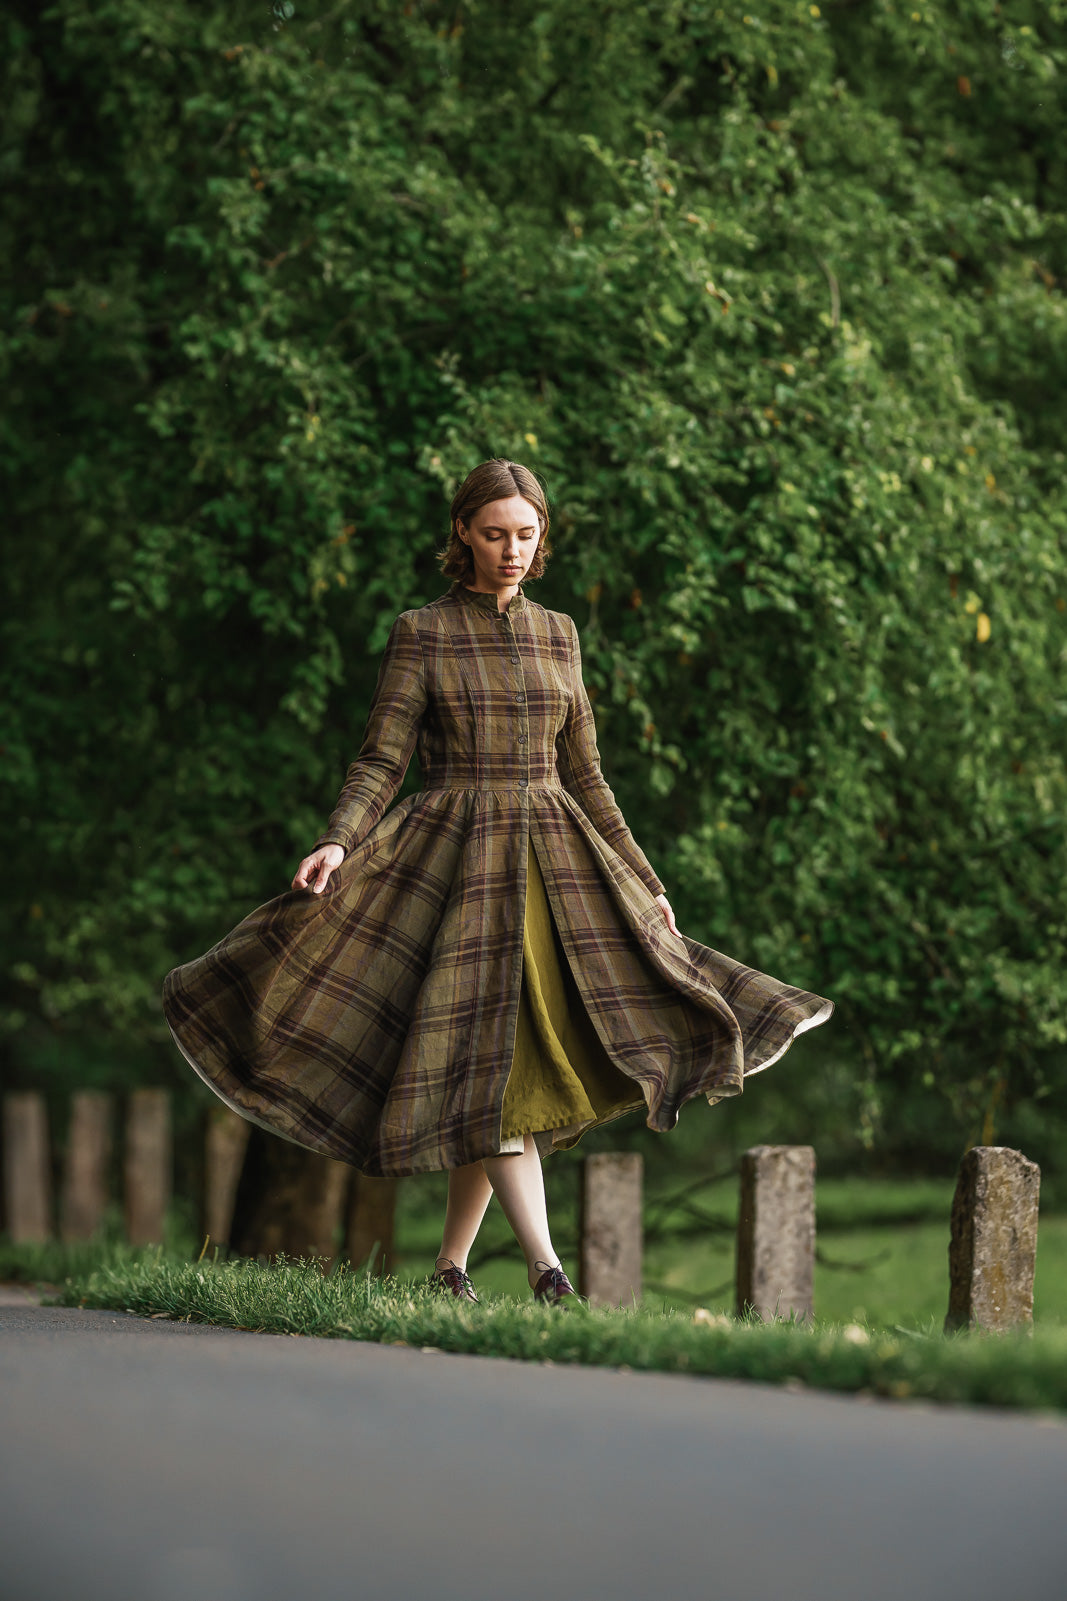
(379, 1022)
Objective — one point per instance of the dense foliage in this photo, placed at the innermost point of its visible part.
(774, 302)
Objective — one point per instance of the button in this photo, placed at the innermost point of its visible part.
(520, 697)
(522, 739)
(524, 783)
(515, 661)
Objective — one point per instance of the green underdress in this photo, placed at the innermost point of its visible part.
(562, 1080)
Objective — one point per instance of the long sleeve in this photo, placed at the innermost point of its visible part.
(377, 773)
(579, 766)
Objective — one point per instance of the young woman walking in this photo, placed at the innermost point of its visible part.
(476, 976)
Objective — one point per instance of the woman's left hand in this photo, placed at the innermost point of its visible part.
(668, 916)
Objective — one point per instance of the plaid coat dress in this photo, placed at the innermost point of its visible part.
(376, 1022)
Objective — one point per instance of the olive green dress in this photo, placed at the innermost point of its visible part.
(562, 1080)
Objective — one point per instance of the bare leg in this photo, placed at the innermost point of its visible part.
(469, 1193)
(519, 1185)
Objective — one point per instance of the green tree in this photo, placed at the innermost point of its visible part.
(774, 302)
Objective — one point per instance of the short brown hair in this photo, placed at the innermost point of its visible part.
(493, 480)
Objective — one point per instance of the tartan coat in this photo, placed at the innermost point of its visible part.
(375, 1022)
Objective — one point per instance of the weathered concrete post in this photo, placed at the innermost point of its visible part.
(27, 1168)
(776, 1231)
(147, 1166)
(610, 1228)
(370, 1222)
(85, 1168)
(225, 1139)
(993, 1244)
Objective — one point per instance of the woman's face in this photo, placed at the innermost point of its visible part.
(503, 537)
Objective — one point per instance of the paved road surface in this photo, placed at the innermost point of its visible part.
(160, 1462)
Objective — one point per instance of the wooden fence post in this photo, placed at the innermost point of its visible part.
(776, 1232)
(371, 1222)
(610, 1228)
(85, 1168)
(225, 1140)
(147, 1166)
(27, 1168)
(993, 1245)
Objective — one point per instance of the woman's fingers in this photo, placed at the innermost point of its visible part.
(668, 915)
(309, 875)
(314, 871)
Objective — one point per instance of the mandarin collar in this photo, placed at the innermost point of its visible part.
(488, 602)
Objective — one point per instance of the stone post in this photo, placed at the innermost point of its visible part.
(370, 1223)
(27, 1168)
(147, 1166)
(776, 1232)
(85, 1169)
(610, 1229)
(225, 1139)
(993, 1243)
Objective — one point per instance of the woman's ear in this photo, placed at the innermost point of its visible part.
(461, 531)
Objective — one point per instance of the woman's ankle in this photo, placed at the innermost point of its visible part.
(536, 1268)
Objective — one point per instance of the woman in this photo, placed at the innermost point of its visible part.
(479, 975)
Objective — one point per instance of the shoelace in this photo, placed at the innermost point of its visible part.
(558, 1284)
(444, 1274)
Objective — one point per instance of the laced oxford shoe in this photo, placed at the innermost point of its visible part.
(554, 1287)
(448, 1277)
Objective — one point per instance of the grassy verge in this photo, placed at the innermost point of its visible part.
(296, 1298)
(54, 1261)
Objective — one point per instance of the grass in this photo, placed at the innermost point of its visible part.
(54, 1261)
(297, 1298)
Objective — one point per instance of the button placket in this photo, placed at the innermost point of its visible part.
(522, 738)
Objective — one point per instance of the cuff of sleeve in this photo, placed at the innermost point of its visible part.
(333, 839)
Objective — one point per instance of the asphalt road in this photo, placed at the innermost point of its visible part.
(151, 1461)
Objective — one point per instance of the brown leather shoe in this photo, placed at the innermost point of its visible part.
(554, 1286)
(453, 1279)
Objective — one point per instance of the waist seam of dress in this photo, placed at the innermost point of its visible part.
(490, 789)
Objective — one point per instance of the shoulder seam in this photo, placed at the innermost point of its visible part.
(555, 616)
(409, 618)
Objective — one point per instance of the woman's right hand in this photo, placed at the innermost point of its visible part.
(314, 871)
